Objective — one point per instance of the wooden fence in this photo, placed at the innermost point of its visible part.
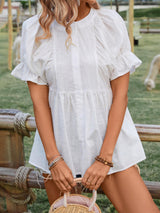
(149, 25)
(14, 125)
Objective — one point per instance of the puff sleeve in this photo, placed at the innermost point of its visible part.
(28, 69)
(124, 60)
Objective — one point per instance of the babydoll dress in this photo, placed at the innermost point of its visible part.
(80, 94)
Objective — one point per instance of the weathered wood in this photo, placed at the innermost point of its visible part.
(7, 176)
(11, 143)
(11, 155)
(149, 30)
(147, 132)
(131, 19)
(14, 193)
(7, 122)
(154, 188)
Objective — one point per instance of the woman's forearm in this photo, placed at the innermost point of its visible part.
(45, 128)
(115, 120)
(39, 95)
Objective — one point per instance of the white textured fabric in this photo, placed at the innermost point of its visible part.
(80, 95)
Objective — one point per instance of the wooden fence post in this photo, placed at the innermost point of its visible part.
(12, 156)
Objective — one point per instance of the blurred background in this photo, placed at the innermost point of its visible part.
(144, 87)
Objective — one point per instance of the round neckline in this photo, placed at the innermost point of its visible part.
(82, 22)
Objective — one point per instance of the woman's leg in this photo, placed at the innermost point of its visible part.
(52, 190)
(128, 193)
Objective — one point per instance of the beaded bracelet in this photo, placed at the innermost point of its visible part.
(54, 161)
(104, 161)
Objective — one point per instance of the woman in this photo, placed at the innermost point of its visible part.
(76, 60)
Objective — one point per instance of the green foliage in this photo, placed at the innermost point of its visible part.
(25, 4)
(148, 12)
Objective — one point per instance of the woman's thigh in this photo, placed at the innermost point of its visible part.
(52, 190)
(128, 192)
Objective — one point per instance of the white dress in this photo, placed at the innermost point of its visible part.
(80, 95)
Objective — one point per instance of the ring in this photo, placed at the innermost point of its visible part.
(67, 186)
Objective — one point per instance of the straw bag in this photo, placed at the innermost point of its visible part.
(75, 203)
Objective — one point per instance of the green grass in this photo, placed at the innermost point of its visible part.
(149, 17)
(143, 105)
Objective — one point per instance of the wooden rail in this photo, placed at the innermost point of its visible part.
(149, 25)
(147, 132)
(7, 176)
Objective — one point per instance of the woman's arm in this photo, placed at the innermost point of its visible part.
(96, 173)
(61, 173)
(42, 112)
(116, 115)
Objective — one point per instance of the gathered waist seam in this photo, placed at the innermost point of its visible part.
(79, 91)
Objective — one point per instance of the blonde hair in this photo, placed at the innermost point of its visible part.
(60, 10)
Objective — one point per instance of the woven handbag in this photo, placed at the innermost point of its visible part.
(75, 203)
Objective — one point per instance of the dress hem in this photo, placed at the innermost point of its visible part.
(109, 173)
(124, 168)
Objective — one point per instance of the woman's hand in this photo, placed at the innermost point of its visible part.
(62, 176)
(95, 175)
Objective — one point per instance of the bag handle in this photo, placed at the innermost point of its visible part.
(93, 198)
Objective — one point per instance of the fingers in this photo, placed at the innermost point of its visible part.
(64, 183)
(92, 179)
(70, 179)
(63, 177)
(85, 177)
(67, 181)
(55, 178)
(94, 183)
(89, 179)
(98, 183)
(62, 186)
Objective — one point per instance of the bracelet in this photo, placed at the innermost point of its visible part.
(53, 158)
(104, 161)
(54, 161)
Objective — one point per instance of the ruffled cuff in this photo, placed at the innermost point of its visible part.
(21, 72)
(124, 63)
